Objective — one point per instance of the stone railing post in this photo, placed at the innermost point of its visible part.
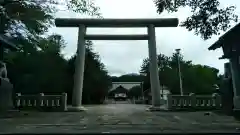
(193, 100)
(40, 103)
(169, 101)
(216, 97)
(64, 101)
(18, 100)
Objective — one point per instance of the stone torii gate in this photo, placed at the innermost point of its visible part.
(82, 24)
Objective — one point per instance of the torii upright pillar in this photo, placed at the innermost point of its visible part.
(82, 24)
(154, 77)
(79, 70)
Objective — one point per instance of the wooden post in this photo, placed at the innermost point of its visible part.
(18, 100)
(1, 52)
(235, 72)
(169, 101)
(193, 100)
(40, 103)
(64, 102)
(217, 99)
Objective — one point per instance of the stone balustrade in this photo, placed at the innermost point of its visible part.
(192, 101)
(42, 102)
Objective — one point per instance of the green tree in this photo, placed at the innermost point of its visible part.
(95, 73)
(163, 67)
(202, 79)
(45, 70)
(199, 79)
(41, 71)
(39, 66)
(25, 20)
(207, 17)
(135, 92)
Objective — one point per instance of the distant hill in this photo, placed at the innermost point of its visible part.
(133, 74)
(131, 77)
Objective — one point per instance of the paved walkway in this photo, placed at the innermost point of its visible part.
(118, 118)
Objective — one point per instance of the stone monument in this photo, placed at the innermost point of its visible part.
(6, 88)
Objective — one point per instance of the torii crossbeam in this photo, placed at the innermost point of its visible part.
(82, 24)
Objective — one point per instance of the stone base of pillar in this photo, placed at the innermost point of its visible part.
(236, 102)
(236, 109)
(76, 108)
(154, 108)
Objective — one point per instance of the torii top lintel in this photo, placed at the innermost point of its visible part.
(76, 22)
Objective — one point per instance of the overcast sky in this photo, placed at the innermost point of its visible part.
(121, 57)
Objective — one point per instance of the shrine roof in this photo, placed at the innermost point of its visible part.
(228, 38)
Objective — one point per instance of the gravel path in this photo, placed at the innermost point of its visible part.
(118, 118)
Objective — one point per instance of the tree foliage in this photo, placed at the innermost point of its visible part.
(207, 17)
(43, 70)
(46, 70)
(38, 66)
(95, 73)
(135, 92)
(199, 79)
(26, 20)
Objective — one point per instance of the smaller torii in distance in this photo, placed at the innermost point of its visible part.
(82, 24)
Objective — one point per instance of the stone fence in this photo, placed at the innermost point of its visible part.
(41, 102)
(194, 102)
